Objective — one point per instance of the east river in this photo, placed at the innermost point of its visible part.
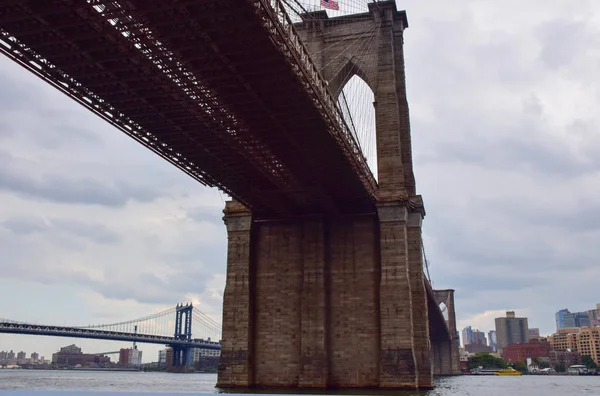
(22, 382)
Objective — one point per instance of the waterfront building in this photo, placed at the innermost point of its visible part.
(511, 330)
(10, 355)
(71, 355)
(564, 340)
(21, 355)
(131, 357)
(199, 353)
(162, 358)
(169, 357)
(566, 358)
(588, 343)
(584, 340)
(532, 349)
(3, 355)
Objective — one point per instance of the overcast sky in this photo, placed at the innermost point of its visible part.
(504, 98)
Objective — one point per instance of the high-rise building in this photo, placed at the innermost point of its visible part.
(467, 336)
(479, 337)
(511, 330)
(492, 340)
(162, 358)
(594, 315)
(560, 318)
(35, 356)
(169, 358)
(534, 333)
(130, 357)
(204, 352)
(576, 319)
(10, 355)
(3, 355)
(21, 355)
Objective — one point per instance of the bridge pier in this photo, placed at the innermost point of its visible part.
(442, 357)
(182, 359)
(325, 303)
(446, 356)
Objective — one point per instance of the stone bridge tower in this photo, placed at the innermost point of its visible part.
(444, 353)
(337, 302)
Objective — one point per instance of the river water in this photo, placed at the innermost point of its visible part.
(37, 383)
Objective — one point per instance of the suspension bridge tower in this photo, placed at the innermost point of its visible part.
(182, 356)
(337, 301)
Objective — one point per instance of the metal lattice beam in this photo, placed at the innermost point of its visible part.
(186, 82)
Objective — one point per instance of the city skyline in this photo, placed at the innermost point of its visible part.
(562, 321)
(96, 229)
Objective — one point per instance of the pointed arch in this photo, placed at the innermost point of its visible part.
(355, 99)
(351, 67)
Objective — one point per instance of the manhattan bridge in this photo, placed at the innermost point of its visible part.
(171, 327)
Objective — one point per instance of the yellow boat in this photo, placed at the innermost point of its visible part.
(508, 372)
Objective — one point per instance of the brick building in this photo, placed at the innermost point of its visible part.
(584, 340)
(130, 357)
(511, 330)
(566, 358)
(588, 343)
(71, 355)
(478, 348)
(564, 340)
(520, 352)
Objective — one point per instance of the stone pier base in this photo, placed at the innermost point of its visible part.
(325, 303)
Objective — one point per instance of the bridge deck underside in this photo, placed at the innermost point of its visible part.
(203, 84)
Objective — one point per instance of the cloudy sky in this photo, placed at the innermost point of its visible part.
(503, 96)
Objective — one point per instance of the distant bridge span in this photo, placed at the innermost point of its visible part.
(76, 332)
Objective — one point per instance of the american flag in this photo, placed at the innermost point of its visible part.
(333, 5)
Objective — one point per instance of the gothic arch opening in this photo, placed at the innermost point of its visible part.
(444, 310)
(356, 101)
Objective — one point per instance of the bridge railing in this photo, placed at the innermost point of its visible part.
(281, 24)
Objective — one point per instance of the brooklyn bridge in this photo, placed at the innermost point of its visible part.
(326, 284)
